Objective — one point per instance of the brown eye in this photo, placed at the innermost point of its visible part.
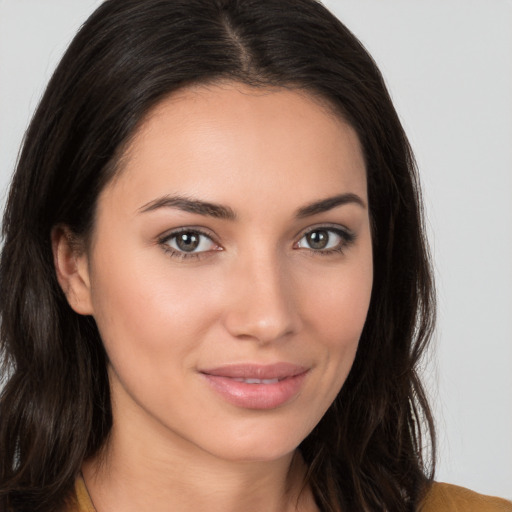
(189, 241)
(325, 240)
(318, 239)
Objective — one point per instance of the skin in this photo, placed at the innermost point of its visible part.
(257, 292)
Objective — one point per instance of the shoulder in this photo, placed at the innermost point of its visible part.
(440, 498)
(452, 498)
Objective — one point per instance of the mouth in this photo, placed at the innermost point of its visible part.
(258, 381)
(253, 386)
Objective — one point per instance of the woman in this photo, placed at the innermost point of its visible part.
(215, 284)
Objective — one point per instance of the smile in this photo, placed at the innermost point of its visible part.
(257, 386)
(257, 381)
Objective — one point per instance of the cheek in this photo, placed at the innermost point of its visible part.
(337, 304)
(145, 313)
(340, 313)
(336, 310)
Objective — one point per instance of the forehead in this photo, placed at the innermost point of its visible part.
(233, 140)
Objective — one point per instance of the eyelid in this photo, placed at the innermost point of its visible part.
(163, 241)
(180, 229)
(338, 228)
(346, 234)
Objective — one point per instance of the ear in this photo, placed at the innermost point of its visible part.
(72, 269)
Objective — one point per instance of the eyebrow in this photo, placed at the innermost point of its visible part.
(219, 211)
(325, 205)
(190, 205)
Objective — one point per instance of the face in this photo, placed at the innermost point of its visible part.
(230, 270)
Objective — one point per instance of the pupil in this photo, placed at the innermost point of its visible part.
(187, 241)
(318, 239)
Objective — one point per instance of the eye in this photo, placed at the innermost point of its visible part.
(188, 241)
(325, 240)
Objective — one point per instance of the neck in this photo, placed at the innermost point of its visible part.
(132, 474)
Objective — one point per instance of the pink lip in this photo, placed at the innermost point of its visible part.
(225, 381)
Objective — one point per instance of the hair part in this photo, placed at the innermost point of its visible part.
(367, 452)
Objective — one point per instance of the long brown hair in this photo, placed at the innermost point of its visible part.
(367, 452)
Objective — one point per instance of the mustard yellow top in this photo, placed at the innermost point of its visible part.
(441, 498)
(451, 498)
(84, 503)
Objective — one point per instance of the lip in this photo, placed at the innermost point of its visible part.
(227, 382)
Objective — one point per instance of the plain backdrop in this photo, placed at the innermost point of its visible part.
(448, 64)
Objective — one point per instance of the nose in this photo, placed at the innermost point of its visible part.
(262, 304)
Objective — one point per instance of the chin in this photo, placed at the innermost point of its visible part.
(263, 444)
(251, 454)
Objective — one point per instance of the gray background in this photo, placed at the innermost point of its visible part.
(448, 64)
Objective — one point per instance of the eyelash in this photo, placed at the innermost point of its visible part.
(182, 255)
(347, 238)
